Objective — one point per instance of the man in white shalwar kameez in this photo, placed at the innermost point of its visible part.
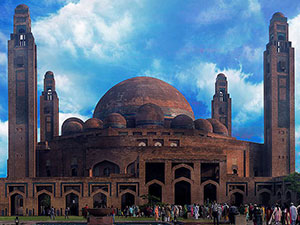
(293, 213)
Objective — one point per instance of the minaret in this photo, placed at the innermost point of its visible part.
(279, 99)
(49, 122)
(22, 97)
(221, 103)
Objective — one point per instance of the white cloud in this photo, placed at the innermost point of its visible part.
(95, 28)
(254, 6)
(294, 36)
(253, 54)
(3, 147)
(3, 58)
(247, 100)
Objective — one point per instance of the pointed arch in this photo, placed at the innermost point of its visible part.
(105, 168)
(183, 179)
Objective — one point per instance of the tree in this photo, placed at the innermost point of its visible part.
(294, 181)
(151, 199)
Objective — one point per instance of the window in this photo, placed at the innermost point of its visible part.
(174, 143)
(281, 36)
(74, 172)
(22, 40)
(49, 95)
(106, 172)
(281, 66)
(142, 142)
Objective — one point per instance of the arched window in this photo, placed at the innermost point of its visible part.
(234, 171)
(221, 95)
(105, 168)
(106, 172)
(49, 95)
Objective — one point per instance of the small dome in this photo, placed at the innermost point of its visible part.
(92, 124)
(115, 120)
(149, 115)
(278, 14)
(221, 76)
(182, 122)
(218, 127)
(204, 125)
(49, 74)
(71, 126)
(22, 6)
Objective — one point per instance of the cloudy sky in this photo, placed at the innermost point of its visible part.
(91, 45)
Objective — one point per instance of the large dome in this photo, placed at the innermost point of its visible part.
(126, 98)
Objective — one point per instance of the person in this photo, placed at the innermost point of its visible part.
(156, 213)
(67, 213)
(219, 212)
(257, 215)
(85, 211)
(293, 214)
(52, 213)
(232, 213)
(298, 217)
(196, 211)
(276, 215)
(215, 213)
(268, 214)
(113, 213)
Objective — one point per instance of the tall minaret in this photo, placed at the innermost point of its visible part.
(221, 103)
(279, 99)
(49, 120)
(22, 97)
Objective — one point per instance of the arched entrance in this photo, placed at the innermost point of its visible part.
(210, 193)
(182, 193)
(100, 200)
(156, 191)
(44, 203)
(72, 201)
(127, 200)
(264, 198)
(237, 199)
(17, 203)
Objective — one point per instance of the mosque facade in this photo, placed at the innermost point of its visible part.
(143, 140)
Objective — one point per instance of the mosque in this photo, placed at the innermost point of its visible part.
(143, 140)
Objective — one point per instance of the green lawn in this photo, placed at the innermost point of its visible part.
(81, 219)
(41, 218)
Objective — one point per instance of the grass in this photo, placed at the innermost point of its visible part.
(81, 219)
(42, 218)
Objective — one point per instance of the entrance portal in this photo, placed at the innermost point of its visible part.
(155, 190)
(99, 200)
(182, 193)
(127, 200)
(17, 205)
(237, 199)
(210, 193)
(44, 202)
(72, 203)
(264, 198)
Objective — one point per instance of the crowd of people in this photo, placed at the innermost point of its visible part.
(256, 214)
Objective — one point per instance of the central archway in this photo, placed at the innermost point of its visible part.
(100, 200)
(182, 193)
(237, 199)
(156, 191)
(264, 198)
(72, 201)
(210, 193)
(127, 200)
(17, 204)
(44, 203)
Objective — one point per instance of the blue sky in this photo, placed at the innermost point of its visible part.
(91, 45)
